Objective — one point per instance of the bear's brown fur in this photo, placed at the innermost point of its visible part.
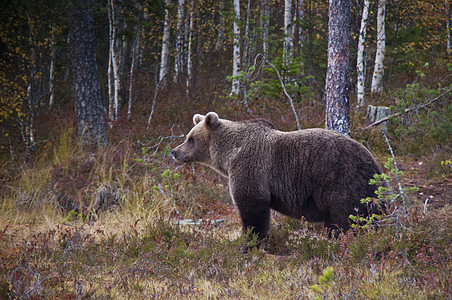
(316, 173)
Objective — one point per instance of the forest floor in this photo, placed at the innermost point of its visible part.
(119, 254)
(114, 224)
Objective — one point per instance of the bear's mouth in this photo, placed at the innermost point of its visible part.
(178, 157)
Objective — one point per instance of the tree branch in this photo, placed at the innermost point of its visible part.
(285, 92)
(407, 110)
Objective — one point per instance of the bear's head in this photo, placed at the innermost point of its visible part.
(195, 148)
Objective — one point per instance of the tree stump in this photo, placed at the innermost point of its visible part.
(375, 113)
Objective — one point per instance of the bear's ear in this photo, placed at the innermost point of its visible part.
(198, 118)
(212, 120)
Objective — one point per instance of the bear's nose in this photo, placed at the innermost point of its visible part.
(173, 153)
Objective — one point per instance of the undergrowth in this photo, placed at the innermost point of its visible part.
(126, 221)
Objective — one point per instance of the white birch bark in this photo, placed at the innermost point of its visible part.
(248, 41)
(113, 65)
(236, 50)
(52, 69)
(448, 28)
(360, 55)
(110, 71)
(189, 61)
(377, 79)
(135, 47)
(116, 83)
(266, 21)
(29, 127)
(288, 30)
(179, 53)
(110, 91)
(165, 43)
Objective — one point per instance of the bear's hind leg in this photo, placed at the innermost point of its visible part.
(335, 224)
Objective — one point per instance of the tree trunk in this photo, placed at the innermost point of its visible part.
(311, 41)
(179, 53)
(337, 75)
(114, 83)
(265, 24)
(220, 38)
(189, 51)
(110, 90)
(448, 28)
(288, 32)
(377, 79)
(299, 30)
(165, 43)
(248, 41)
(398, 20)
(135, 47)
(87, 99)
(52, 69)
(236, 50)
(360, 66)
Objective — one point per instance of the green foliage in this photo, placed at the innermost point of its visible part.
(386, 197)
(422, 123)
(295, 82)
(72, 217)
(325, 281)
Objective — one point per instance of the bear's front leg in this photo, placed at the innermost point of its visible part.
(255, 216)
(256, 223)
(252, 200)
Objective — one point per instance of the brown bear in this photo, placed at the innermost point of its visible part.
(319, 174)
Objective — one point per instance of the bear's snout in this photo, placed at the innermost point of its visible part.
(179, 155)
(174, 154)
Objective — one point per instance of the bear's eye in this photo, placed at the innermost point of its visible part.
(191, 139)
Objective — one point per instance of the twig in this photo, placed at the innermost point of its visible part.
(154, 148)
(155, 97)
(405, 211)
(285, 91)
(407, 110)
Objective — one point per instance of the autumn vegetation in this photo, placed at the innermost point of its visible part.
(124, 221)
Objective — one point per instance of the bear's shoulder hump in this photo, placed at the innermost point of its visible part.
(260, 122)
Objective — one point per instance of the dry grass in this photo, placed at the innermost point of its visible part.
(108, 221)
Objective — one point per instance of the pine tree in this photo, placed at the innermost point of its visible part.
(87, 97)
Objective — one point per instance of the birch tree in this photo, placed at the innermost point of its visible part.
(52, 68)
(448, 27)
(360, 67)
(265, 24)
(236, 50)
(337, 75)
(248, 40)
(165, 42)
(189, 51)
(113, 66)
(377, 78)
(288, 31)
(179, 53)
(135, 48)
